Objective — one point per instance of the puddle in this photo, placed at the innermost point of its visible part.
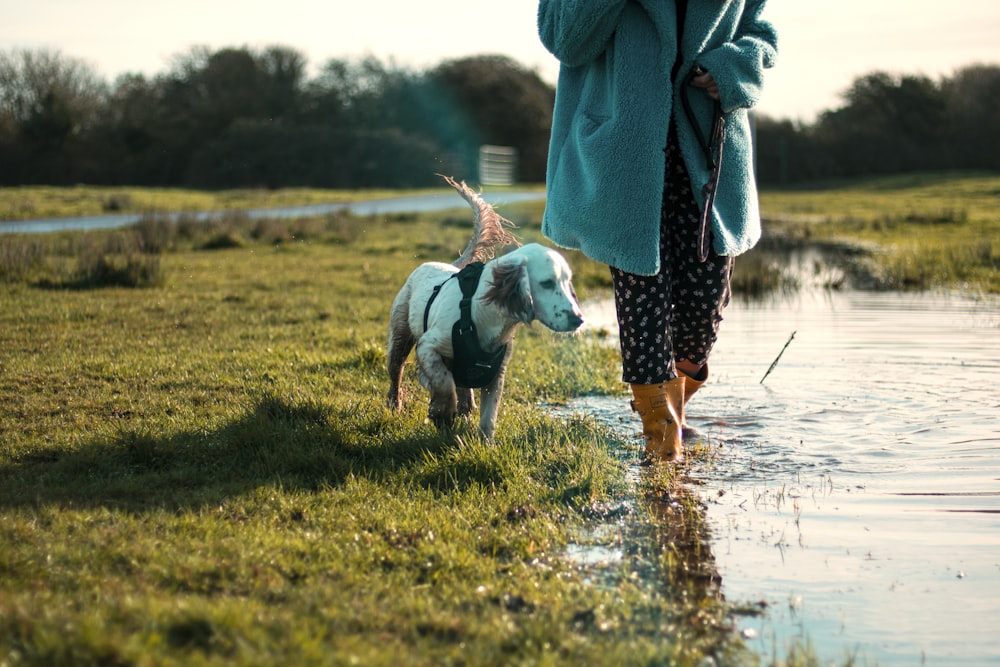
(855, 494)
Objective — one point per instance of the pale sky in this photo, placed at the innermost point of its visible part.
(823, 47)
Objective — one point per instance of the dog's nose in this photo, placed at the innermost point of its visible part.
(574, 321)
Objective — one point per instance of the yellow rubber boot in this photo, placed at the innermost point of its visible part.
(691, 385)
(661, 409)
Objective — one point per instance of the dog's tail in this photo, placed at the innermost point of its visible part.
(489, 229)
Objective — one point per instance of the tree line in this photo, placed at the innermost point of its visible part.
(891, 124)
(239, 117)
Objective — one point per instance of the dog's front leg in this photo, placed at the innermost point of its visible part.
(489, 401)
(439, 382)
(466, 401)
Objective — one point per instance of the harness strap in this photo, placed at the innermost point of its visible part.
(472, 366)
(434, 295)
(468, 281)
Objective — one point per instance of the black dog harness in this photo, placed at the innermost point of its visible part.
(472, 367)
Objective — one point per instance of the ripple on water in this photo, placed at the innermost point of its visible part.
(857, 490)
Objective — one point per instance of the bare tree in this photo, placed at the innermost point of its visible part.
(47, 102)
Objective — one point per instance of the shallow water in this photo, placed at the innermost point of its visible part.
(856, 492)
(390, 205)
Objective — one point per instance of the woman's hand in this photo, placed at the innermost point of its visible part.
(707, 81)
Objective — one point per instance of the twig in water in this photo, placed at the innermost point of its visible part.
(775, 362)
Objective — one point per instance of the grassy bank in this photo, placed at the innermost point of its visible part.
(197, 468)
(915, 232)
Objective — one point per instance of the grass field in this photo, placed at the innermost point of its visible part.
(34, 201)
(27, 202)
(200, 470)
(196, 466)
(919, 231)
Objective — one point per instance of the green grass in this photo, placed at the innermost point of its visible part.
(39, 201)
(920, 231)
(201, 471)
(196, 466)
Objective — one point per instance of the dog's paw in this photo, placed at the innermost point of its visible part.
(442, 423)
(466, 402)
(394, 400)
(442, 418)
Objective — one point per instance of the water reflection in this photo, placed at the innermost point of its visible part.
(679, 527)
(856, 492)
(661, 534)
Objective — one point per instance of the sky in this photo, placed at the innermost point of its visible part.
(823, 46)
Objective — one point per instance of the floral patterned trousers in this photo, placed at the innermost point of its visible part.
(675, 314)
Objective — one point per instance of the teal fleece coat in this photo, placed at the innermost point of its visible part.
(614, 102)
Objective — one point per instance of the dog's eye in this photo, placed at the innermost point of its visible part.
(548, 284)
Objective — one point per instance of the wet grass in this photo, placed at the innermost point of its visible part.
(908, 232)
(200, 470)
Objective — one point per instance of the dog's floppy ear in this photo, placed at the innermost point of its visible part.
(510, 289)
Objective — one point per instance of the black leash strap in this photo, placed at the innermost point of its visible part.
(708, 192)
(713, 160)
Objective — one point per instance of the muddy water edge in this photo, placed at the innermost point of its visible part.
(851, 501)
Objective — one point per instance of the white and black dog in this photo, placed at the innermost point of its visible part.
(463, 323)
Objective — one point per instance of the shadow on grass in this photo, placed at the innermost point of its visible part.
(274, 442)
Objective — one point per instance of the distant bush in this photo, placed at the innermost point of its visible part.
(117, 202)
(119, 259)
(156, 233)
(223, 240)
(103, 270)
(271, 231)
(20, 257)
(131, 257)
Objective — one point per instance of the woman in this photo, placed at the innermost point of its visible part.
(632, 166)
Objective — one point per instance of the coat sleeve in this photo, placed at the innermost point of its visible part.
(577, 31)
(738, 64)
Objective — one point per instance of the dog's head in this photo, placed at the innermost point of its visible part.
(534, 282)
